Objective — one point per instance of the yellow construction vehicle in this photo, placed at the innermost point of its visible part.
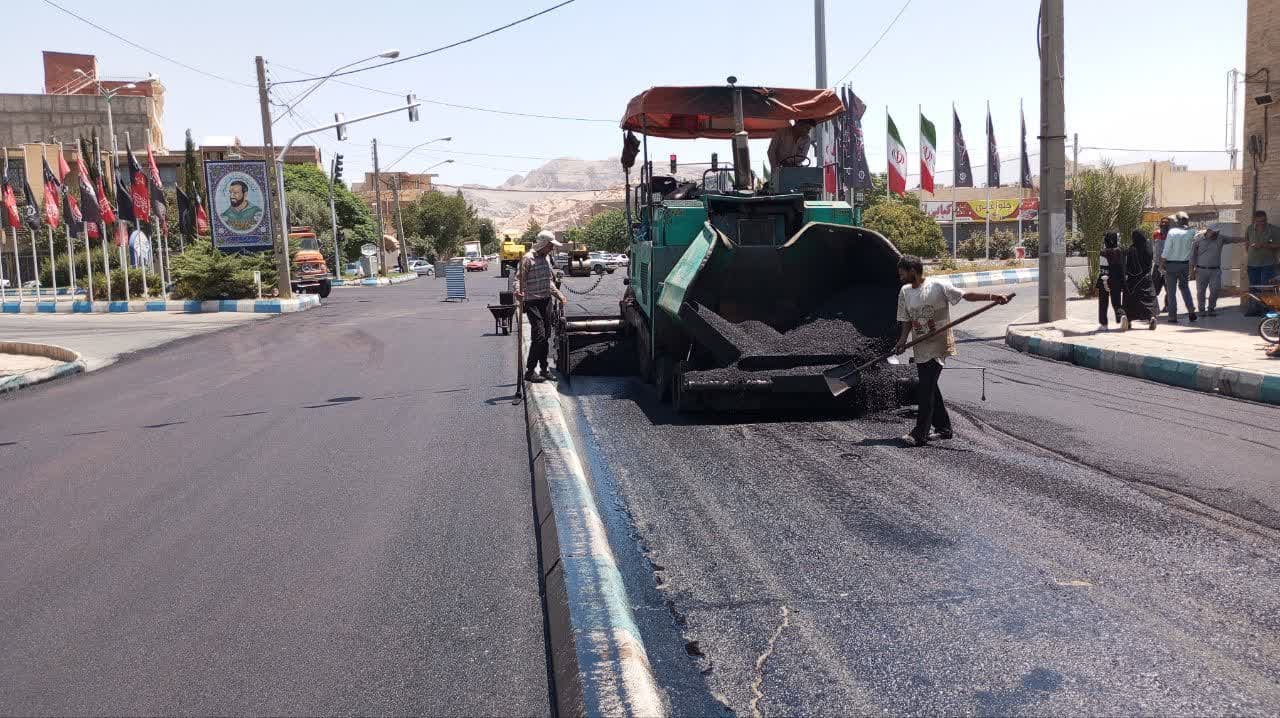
(510, 254)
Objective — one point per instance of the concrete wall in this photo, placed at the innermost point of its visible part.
(1262, 54)
(37, 118)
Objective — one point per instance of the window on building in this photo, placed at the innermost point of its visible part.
(1237, 192)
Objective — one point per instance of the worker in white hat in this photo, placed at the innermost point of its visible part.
(534, 288)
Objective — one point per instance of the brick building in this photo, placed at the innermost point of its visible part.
(412, 186)
(71, 106)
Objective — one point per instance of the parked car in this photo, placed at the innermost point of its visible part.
(353, 268)
(478, 265)
(422, 268)
(602, 262)
(622, 260)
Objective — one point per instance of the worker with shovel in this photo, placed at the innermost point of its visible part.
(534, 289)
(924, 307)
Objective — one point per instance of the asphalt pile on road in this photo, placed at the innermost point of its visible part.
(826, 337)
(601, 356)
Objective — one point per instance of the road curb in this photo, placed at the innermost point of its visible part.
(1210, 378)
(598, 657)
(72, 363)
(992, 278)
(187, 306)
(376, 281)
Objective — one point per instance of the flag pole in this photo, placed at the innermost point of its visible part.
(17, 262)
(35, 263)
(955, 181)
(123, 250)
(990, 139)
(1021, 161)
(146, 291)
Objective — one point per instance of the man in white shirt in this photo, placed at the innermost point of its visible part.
(924, 306)
(790, 145)
(1175, 262)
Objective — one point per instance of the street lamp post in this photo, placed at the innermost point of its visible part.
(417, 147)
(264, 107)
(395, 187)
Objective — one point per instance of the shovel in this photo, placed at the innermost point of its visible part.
(844, 377)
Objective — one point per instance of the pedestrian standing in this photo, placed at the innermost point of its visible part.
(1264, 253)
(1157, 246)
(1206, 259)
(924, 305)
(1139, 296)
(1175, 262)
(534, 288)
(1110, 280)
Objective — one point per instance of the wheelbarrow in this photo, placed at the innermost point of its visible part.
(503, 315)
(844, 377)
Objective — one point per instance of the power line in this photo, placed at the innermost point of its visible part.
(1144, 149)
(442, 48)
(131, 43)
(546, 191)
(887, 28)
(454, 105)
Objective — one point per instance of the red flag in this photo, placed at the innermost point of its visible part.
(202, 217)
(52, 214)
(9, 201)
(91, 230)
(108, 214)
(138, 190)
(63, 169)
(90, 209)
(158, 206)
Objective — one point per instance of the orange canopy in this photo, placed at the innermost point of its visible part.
(691, 112)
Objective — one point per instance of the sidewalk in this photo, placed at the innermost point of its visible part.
(1222, 354)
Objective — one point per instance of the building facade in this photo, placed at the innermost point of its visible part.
(1261, 175)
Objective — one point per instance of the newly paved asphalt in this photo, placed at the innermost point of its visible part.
(323, 513)
(1036, 565)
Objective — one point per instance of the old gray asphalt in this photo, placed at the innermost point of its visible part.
(322, 513)
(794, 567)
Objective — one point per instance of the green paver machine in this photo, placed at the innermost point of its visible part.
(708, 256)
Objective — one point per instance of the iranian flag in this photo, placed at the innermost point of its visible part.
(928, 153)
(897, 160)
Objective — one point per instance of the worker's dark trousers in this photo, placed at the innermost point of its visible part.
(1112, 296)
(539, 311)
(933, 412)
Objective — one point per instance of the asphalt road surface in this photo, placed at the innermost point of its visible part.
(323, 513)
(1089, 544)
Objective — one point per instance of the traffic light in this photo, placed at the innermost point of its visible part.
(342, 128)
(337, 168)
(413, 108)
(673, 164)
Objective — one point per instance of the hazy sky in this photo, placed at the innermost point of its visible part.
(1146, 74)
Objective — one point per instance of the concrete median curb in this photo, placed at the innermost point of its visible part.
(1212, 378)
(71, 364)
(375, 281)
(992, 278)
(299, 303)
(598, 658)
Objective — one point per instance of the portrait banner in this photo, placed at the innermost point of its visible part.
(240, 200)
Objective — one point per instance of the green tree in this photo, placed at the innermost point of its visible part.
(486, 234)
(203, 272)
(192, 169)
(355, 222)
(907, 226)
(1106, 201)
(607, 232)
(879, 193)
(531, 232)
(446, 219)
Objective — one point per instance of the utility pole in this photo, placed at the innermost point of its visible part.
(404, 247)
(1233, 99)
(280, 240)
(377, 194)
(820, 72)
(1053, 242)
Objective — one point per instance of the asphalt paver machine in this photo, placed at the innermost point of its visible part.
(739, 298)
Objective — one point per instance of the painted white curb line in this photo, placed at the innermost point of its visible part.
(598, 656)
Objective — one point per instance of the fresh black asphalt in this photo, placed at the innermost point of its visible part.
(322, 513)
(1091, 544)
